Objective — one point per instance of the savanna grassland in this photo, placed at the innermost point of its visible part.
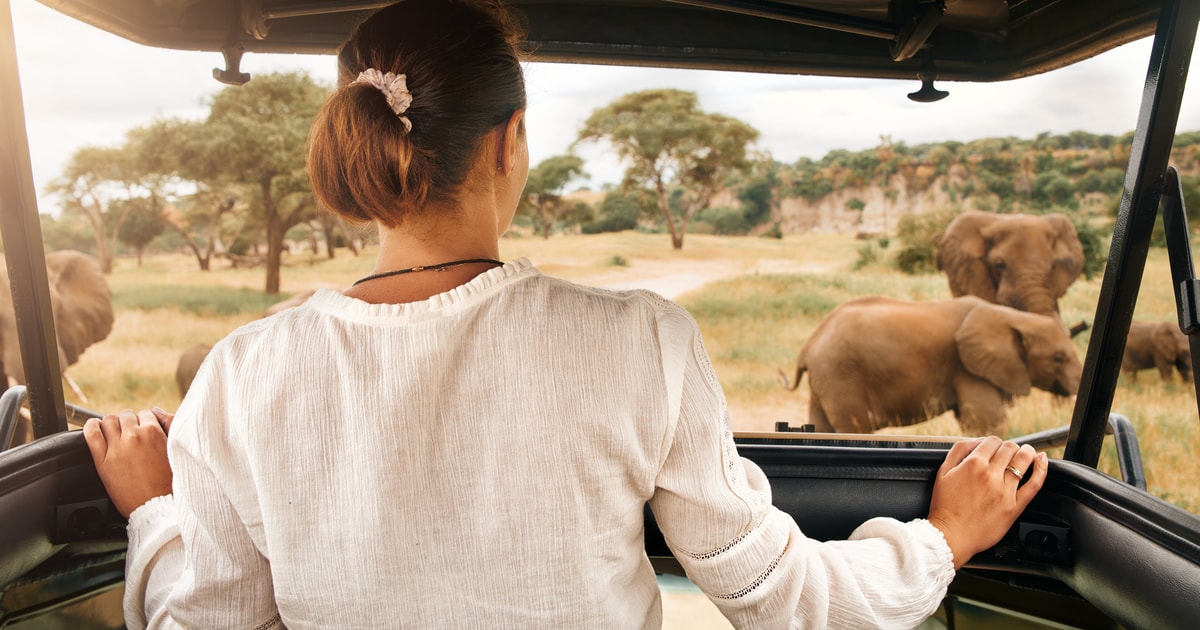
(756, 301)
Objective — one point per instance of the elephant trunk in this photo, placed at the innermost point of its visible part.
(1028, 294)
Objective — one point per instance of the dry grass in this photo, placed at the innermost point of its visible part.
(767, 297)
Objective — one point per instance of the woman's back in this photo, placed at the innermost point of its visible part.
(444, 494)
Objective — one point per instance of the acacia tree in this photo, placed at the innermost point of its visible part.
(173, 151)
(670, 143)
(543, 199)
(143, 223)
(255, 135)
(89, 184)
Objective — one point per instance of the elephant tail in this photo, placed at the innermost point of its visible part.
(800, 369)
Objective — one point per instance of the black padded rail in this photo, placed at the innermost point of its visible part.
(50, 499)
(1136, 558)
(1091, 544)
(831, 490)
(1117, 551)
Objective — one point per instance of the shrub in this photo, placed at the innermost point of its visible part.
(725, 221)
(868, 254)
(616, 213)
(1095, 252)
(918, 234)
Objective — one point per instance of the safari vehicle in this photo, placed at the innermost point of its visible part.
(1091, 551)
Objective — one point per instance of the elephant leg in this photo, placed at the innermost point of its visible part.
(982, 409)
(817, 417)
(1164, 368)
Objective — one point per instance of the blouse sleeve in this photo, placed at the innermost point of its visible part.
(191, 561)
(714, 509)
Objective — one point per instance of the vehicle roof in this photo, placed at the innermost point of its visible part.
(964, 40)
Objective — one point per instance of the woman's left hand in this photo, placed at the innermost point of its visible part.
(130, 453)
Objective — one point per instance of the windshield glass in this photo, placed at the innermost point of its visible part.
(818, 191)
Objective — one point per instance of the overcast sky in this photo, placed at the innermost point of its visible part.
(82, 86)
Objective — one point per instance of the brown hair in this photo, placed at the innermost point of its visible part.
(463, 70)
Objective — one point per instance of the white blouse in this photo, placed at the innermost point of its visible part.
(481, 460)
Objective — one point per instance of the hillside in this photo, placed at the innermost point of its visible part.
(867, 192)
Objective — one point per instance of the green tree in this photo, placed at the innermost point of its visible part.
(760, 193)
(619, 211)
(168, 158)
(66, 232)
(143, 223)
(255, 136)
(89, 182)
(543, 200)
(669, 142)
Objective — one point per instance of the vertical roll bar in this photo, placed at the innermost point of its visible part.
(24, 254)
(1183, 272)
(1162, 93)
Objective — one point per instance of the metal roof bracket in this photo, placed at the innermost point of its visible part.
(917, 19)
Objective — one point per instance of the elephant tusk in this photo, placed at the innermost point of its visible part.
(74, 387)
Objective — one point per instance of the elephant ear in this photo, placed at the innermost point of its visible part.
(991, 347)
(1068, 254)
(960, 253)
(83, 312)
(10, 347)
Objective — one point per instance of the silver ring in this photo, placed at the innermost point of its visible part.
(1016, 471)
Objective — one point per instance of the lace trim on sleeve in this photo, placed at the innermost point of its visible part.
(757, 581)
(735, 474)
(270, 624)
(708, 555)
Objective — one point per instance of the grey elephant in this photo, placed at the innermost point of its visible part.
(1157, 344)
(1023, 261)
(877, 362)
(81, 301)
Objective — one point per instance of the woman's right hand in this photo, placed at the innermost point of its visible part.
(977, 498)
(130, 453)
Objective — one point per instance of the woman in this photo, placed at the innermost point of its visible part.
(455, 441)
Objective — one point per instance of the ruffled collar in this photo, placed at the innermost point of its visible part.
(480, 287)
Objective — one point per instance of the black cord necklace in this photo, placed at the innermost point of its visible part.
(437, 267)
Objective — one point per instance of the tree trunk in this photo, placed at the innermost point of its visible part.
(96, 217)
(665, 206)
(201, 258)
(275, 234)
(328, 225)
(351, 244)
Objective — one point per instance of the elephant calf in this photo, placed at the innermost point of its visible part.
(1157, 344)
(189, 364)
(875, 362)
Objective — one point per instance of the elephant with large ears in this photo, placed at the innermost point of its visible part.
(877, 362)
(81, 302)
(1023, 261)
(1157, 344)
